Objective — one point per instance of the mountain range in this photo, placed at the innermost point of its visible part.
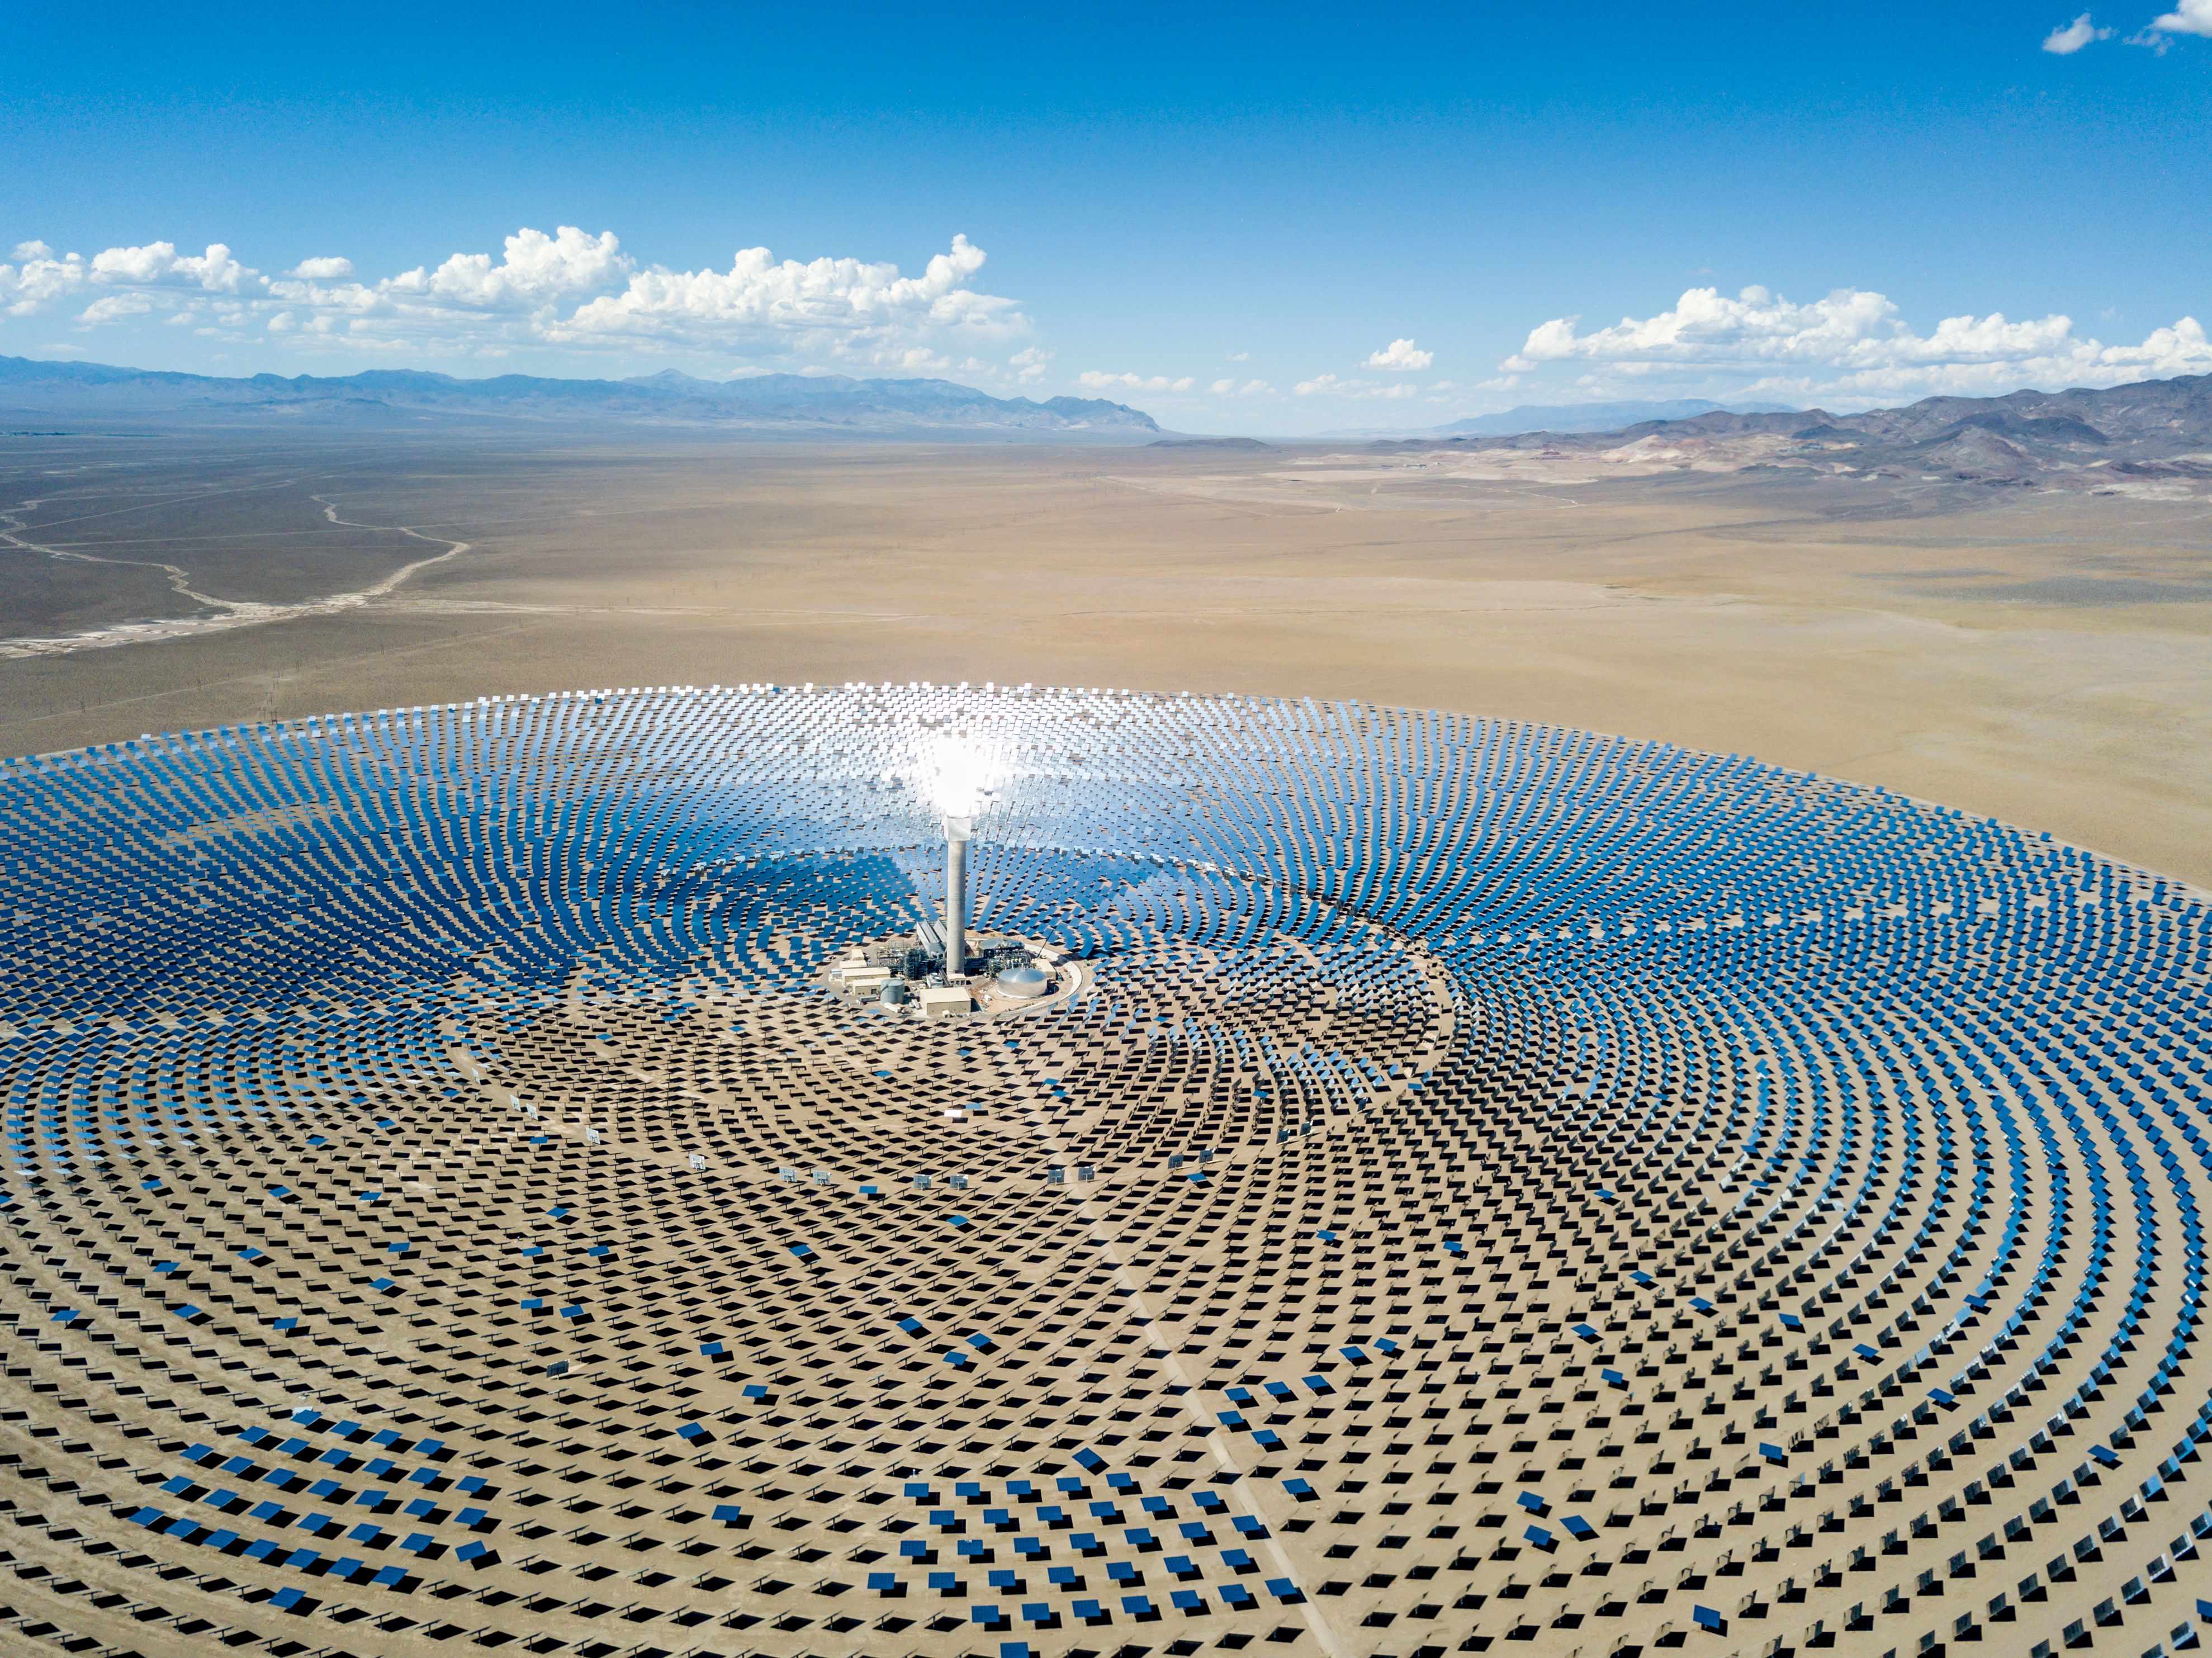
(2147, 432)
(797, 404)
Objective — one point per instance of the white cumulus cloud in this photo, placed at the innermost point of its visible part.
(1091, 378)
(1328, 386)
(841, 306)
(1400, 354)
(2190, 17)
(160, 263)
(127, 281)
(537, 267)
(2069, 37)
(1853, 345)
(1230, 388)
(570, 291)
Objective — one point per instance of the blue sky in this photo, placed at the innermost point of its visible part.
(1279, 220)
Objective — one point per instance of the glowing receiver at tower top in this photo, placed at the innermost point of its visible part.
(958, 784)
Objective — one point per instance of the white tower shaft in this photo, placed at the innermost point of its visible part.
(957, 831)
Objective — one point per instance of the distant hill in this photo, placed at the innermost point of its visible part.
(1562, 417)
(2149, 431)
(1208, 443)
(799, 404)
(1599, 417)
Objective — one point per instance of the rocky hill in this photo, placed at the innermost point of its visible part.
(2150, 431)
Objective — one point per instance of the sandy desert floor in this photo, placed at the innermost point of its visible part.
(2043, 659)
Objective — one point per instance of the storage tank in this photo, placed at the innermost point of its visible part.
(1025, 981)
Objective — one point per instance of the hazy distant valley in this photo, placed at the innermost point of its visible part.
(2153, 438)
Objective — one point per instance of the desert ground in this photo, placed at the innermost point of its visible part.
(2034, 656)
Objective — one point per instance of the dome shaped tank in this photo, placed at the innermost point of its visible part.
(1025, 981)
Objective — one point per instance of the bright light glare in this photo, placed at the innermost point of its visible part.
(958, 777)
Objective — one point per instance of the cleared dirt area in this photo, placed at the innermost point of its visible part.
(2037, 657)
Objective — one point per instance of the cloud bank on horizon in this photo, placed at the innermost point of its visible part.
(1852, 349)
(588, 303)
(570, 291)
